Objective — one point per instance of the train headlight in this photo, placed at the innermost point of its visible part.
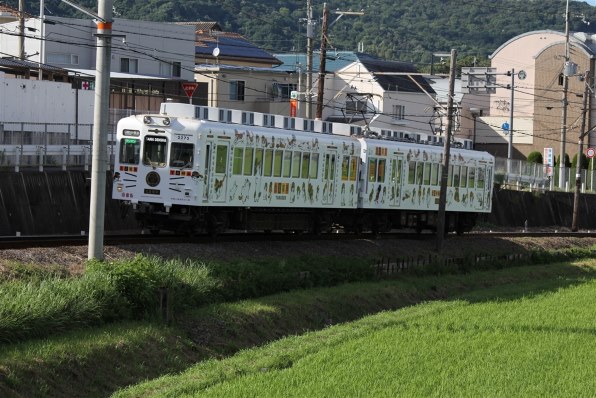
(147, 119)
(166, 121)
(119, 188)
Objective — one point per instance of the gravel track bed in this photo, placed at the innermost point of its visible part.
(72, 259)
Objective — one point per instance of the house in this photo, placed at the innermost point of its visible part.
(234, 73)
(363, 89)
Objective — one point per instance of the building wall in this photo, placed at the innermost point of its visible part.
(549, 100)
(43, 102)
(259, 95)
(70, 44)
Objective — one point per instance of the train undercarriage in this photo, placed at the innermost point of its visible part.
(215, 220)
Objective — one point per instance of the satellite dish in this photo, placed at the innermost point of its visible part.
(216, 51)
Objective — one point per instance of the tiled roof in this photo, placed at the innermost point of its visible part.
(16, 63)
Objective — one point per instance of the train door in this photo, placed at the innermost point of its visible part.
(206, 170)
(329, 170)
(220, 166)
(481, 186)
(395, 183)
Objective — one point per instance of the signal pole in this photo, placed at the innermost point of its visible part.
(580, 150)
(322, 64)
(565, 91)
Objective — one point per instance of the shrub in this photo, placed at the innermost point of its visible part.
(535, 157)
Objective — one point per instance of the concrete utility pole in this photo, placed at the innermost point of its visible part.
(565, 91)
(309, 46)
(22, 30)
(446, 154)
(580, 150)
(322, 64)
(100, 131)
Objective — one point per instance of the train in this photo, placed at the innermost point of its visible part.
(195, 169)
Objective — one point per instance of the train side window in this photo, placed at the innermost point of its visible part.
(411, 172)
(287, 163)
(277, 162)
(258, 161)
(434, 174)
(248, 155)
(471, 177)
(305, 164)
(372, 169)
(130, 150)
(296, 157)
(398, 171)
(267, 170)
(332, 167)
(181, 154)
(427, 173)
(238, 157)
(154, 151)
(381, 170)
(353, 168)
(345, 164)
(480, 181)
(221, 159)
(464, 177)
(419, 172)
(456, 176)
(313, 170)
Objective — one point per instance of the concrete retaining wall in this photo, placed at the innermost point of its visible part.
(57, 202)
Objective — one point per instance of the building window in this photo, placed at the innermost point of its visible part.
(398, 112)
(176, 69)
(129, 65)
(356, 106)
(281, 91)
(561, 79)
(237, 90)
(62, 59)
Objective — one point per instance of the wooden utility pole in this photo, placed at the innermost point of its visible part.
(446, 154)
(322, 64)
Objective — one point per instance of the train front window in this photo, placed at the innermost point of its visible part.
(154, 151)
(181, 155)
(130, 150)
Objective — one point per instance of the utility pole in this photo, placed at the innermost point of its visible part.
(322, 64)
(100, 131)
(580, 150)
(565, 91)
(22, 30)
(309, 46)
(446, 154)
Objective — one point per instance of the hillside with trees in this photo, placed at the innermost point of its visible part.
(408, 30)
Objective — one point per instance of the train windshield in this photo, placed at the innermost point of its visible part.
(181, 155)
(130, 150)
(154, 151)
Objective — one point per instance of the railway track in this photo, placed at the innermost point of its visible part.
(24, 242)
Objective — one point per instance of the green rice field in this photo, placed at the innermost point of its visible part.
(541, 343)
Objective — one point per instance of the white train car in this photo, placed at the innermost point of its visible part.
(191, 168)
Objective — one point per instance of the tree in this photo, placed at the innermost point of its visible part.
(535, 157)
(584, 162)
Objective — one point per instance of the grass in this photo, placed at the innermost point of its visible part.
(534, 340)
(98, 361)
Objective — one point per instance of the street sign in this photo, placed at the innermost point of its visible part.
(505, 126)
(478, 80)
(591, 152)
(189, 88)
